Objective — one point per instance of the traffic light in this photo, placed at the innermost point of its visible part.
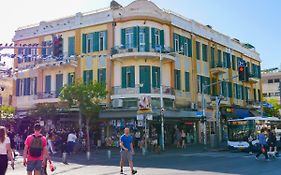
(243, 71)
(58, 47)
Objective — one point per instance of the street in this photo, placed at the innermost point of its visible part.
(168, 163)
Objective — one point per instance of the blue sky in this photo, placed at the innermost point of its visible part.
(253, 21)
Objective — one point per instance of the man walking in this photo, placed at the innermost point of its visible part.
(35, 151)
(262, 143)
(127, 150)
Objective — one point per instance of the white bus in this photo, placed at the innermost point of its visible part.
(239, 130)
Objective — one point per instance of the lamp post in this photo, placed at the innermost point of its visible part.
(162, 103)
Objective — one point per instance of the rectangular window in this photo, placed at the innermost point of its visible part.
(59, 84)
(205, 52)
(48, 84)
(89, 43)
(70, 78)
(270, 81)
(176, 43)
(276, 80)
(233, 62)
(213, 57)
(128, 77)
(102, 40)
(177, 80)
(198, 50)
(141, 40)
(88, 76)
(226, 60)
(129, 38)
(155, 77)
(219, 64)
(189, 41)
(26, 86)
(187, 88)
(71, 46)
(102, 75)
(18, 87)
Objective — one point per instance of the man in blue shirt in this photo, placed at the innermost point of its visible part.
(262, 144)
(127, 150)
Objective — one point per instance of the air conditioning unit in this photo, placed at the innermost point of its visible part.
(117, 103)
(194, 106)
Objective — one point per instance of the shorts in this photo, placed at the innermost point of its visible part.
(34, 165)
(126, 155)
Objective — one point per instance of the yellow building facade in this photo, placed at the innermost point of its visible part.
(118, 46)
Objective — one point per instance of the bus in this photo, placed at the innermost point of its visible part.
(239, 130)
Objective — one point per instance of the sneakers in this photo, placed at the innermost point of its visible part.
(134, 172)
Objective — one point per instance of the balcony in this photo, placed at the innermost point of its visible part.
(253, 79)
(46, 97)
(218, 68)
(120, 52)
(55, 62)
(136, 92)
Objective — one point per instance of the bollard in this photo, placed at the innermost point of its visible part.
(88, 155)
(109, 154)
(64, 156)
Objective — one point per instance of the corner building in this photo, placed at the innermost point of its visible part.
(117, 46)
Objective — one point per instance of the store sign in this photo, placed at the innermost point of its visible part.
(140, 117)
(188, 123)
(149, 117)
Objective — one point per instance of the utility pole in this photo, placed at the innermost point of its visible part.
(162, 103)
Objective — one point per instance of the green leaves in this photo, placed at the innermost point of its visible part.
(7, 111)
(274, 111)
(86, 96)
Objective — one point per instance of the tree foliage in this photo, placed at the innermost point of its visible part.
(7, 111)
(275, 110)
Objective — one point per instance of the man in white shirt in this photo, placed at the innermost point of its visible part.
(71, 139)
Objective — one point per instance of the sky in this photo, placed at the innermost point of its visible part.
(253, 21)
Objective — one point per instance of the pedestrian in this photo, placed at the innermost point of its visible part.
(127, 150)
(35, 150)
(272, 142)
(11, 134)
(183, 139)
(262, 146)
(5, 151)
(71, 140)
(178, 137)
(250, 141)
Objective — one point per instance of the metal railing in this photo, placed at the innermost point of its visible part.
(46, 95)
(118, 90)
(128, 48)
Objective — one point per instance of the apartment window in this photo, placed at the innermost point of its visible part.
(276, 80)
(176, 43)
(155, 77)
(204, 52)
(102, 75)
(177, 80)
(71, 46)
(187, 86)
(264, 94)
(89, 43)
(233, 62)
(102, 41)
(128, 77)
(142, 40)
(88, 76)
(129, 36)
(70, 78)
(270, 81)
(277, 94)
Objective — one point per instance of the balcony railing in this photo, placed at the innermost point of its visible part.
(117, 90)
(128, 48)
(46, 95)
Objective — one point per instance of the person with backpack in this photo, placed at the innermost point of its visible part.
(35, 151)
(262, 145)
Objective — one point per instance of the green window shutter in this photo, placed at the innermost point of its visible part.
(177, 80)
(123, 37)
(187, 88)
(259, 71)
(105, 40)
(233, 62)
(155, 77)
(228, 60)
(153, 38)
(181, 43)
(219, 59)
(174, 38)
(162, 39)
(205, 52)
(147, 46)
(69, 80)
(198, 49)
(132, 78)
(90, 76)
(85, 76)
(84, 43)
(213, 57)
(71, 46)
(124, 77)
(230, 89)
(189, 42)
(96, 44)
(136, 37)
(242, 92)
(102, 75)
(48, 84)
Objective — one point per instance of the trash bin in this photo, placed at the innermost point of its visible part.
(213, 140)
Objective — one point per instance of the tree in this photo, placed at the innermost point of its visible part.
(47, 110)
(87, 97)
(275, 110)
(7, 111)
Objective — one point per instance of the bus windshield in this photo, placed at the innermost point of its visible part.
(240, 130)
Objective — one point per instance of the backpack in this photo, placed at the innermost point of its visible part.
(36, 146)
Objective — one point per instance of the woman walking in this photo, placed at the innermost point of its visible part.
(5, 151)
